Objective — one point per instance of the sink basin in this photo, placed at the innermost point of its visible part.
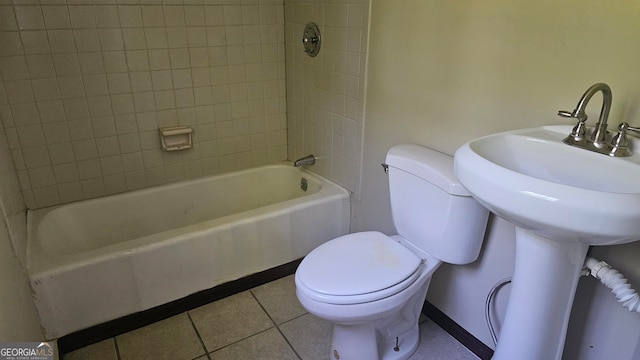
(532, 179)
(562, 200)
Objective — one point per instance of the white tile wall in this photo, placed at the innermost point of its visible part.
(86, 84)
(325, 94)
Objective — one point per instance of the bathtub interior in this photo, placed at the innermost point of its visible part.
(105, 221)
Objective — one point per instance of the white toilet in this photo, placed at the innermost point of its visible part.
(373, 286)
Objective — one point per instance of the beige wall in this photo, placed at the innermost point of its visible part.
(325, 94)
(86, 85)
(19, 319)
(443, 72)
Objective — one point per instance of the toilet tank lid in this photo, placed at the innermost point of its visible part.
(431, 165)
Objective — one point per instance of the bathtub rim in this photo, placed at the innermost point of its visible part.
(41, 264)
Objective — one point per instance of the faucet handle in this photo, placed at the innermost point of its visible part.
(629, 128)
(576, 114)
(579, 131)
(565, 114)
(620, 142)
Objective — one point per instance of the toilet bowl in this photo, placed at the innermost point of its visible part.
(373, 286)
(388, 301)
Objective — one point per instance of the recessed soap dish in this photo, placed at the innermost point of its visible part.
(175, 138)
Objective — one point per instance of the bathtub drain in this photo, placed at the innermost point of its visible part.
(303, 184)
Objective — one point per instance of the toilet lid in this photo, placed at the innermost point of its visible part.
(357, 264)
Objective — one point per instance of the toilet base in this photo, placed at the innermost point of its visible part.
(392, 337)
(354, 342)
(406, 346)
(358, 342)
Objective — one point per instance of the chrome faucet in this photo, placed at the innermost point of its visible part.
(307, 160)
(598, 141)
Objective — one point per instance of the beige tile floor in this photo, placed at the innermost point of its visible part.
(266, 322)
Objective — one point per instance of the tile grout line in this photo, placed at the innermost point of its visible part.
(262, 307)
(204, 347)
(235, 342)
(243, 339)
(288, 343)
(115, 345)
(277, 326)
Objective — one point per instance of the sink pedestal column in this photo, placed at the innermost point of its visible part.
(542, 291)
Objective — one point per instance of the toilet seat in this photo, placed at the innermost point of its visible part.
(357, 268)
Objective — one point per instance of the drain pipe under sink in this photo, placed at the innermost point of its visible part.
(615, 281)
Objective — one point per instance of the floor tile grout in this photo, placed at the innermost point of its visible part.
(262, 307)
(299, 324)
(195, 328)
(115, 345)
(289, 343)
(277, 325)
(243, 339)
(247, 337)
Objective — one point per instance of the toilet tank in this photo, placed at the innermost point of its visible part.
(430, 208)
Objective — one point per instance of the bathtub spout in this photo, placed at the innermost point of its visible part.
(307, 160)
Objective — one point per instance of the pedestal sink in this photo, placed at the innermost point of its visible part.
(562, 200)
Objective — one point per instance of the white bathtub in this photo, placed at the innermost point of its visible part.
(94, 261)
